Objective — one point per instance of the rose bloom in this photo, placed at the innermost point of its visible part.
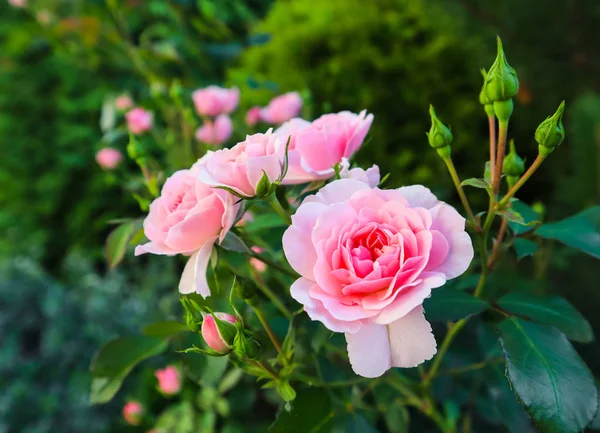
(318, 146)
(188, 218)
(132, 412)
(216, 132)
(108, 158)
(242, 167)
(123, 102)
(367, 259)
(282, 108)
(253, 116)
(169, 380)
(370, 176)
(138, 120)
(215, 100)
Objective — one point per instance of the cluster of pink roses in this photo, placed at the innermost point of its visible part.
(367, 257)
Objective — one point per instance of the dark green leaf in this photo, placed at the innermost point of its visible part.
(525, 247)
(448, 304)
(550, 310)
(310, 413)
(476, 183)
(528, 215)
(358, 423)
(515, 217)
(164, 329)
(547, 375)
(581, 231)
(215, 367)
(115, 360)
(118, 240)
(232, 242)
(263, 222)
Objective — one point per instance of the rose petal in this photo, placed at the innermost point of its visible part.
(411, 340)
(369, 350)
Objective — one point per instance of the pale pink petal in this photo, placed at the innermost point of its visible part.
(201, 266)
(419, 196)
(154, 248)
(369, 350)
(411, 339)
(337, 191)
(187, 283)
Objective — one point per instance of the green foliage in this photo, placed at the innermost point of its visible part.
(310, 412)
(447, 304)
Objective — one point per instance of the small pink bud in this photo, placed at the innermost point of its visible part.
(211, 333)
(133, 412)
(18, 3)
(282, 108)
(123, 102)
(169, 382)
(253, 116)
(108, 158)
(216, 132)
(257, 264)
(138, 120)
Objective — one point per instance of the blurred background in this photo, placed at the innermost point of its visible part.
(60, 61)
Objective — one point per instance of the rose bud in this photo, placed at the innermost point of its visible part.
(253, 116)
(219, 335)
(169, 380)
(138, 120)
(501, 82)
(215, 100)
(513, 166)
(551, 132)
(108, 158)
(282, 108)
(439, 136)
(123, 102)
(133, 412)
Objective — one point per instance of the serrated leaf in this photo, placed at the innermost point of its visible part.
(118, 240)
(113, 362)
(476, 183)
(310, 413)
(165, 328)
(447, 304)
(551, 381)
(581, 231)
(525, 247)
(528, 215)
(550, 310)
(232, 242)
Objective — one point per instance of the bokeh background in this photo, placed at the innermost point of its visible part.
(60, 59)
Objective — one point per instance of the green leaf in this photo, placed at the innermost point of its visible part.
(449, 304)
(581, 231)
(310, 413)
(263, 222)
(358, 423)
(118, 240)
(232, 242)
(177, 418)
(545, 372)
(115, 360)
(230, 380)
(215, 367)
(525, 247)
(285, 390)
(164, 329)
(550, 310)
(527, 214)
(476, 183)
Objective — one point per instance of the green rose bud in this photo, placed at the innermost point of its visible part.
(513, 166)
(488, 105)
(246, 347)
(551, 132)
(501, 82)
(439, 136)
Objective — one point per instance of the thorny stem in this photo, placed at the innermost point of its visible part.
(459, 189)
(271, 335)
(502, 134)
(536, 164)
(266, 367)
(492, 127)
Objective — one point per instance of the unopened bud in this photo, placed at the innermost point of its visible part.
(488, 105)
(169, 380)
(219, 331)
(133, 412)
(513, 166)
(501, 82)
(246, 347)
(439, 136)
(551, 132)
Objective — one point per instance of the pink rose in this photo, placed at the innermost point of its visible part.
(133, 412)
(370, 176)
(18, 3)
(282, 108)
(138, 120)
(123, 102)
(169, 382)
(318, 146)
(258, 266)
(188, 218)
(253, 116)
(215, 133)
(211, 334)
(215, 100)
(367, 259)
(242, 167)
(108, 158)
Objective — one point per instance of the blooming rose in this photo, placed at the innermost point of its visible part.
(367, 259)
(188, 218)
(242, 167)
(216, 132)
(108, 158)
(253, 116)
(282, 108)
(169, 380)
(138, 120)
(211, 334)
(123, 102)
(318, 146)
(370, 176)
(132, 412)
(215, 100)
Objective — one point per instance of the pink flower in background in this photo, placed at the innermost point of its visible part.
(18, 3)
(367, 259)
(370, 176)
(108, 158)
(188, 218)
(123, 102)
(138, 120)
(245, 219)
(315, 148)
(257, 264)
(133, 412)
(169, 380)
(253, 116)
(215, 100)
(216, 132)
(282, 108)
(211, 334)
(242, 167)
